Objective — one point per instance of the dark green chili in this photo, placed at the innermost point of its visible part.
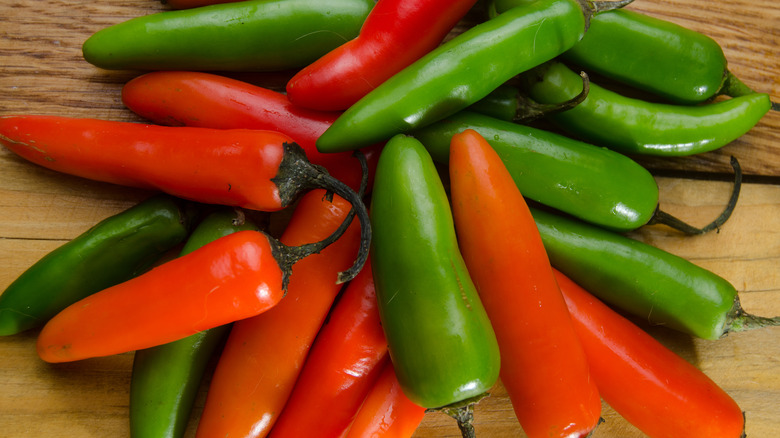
(116, 249)
(644, 280)
(634, 126)
(166, 378)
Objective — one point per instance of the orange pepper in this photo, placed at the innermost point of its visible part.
(264, 355)
(646, 383)
(543, 365)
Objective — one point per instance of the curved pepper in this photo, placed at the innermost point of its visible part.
(183, 98)
(253, 169)
(166, 378)
(634, 126)
(389, 40)
(643, 280)
(543, 365)
(344, 362)
(441, 342)
(115, 250)
(595, 184)
(257, 35)
(460, 72)
(264, 355)
(668, 396)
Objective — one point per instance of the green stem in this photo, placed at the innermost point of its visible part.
(740, 321)
(529, 110)
(734, 87)
(463, 413)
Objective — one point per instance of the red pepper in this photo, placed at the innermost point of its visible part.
(543, 365)
(386, 411)
(395, 34)
(345, 361)
(264, 355)
(253, 169)
(649, 385)
(206, 100)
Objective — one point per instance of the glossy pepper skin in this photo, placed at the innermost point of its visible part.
(654, 55)
(634, 126)
(257, 35)
(639, 278)
(389, 40)
(345, 360)
(114, 250)
(437, 85)
(166, 378)
(441, 342)
(543, 364)
(264, 355)
(207, 100)
(595, 184)
(668, 396)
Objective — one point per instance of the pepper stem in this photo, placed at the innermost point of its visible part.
(591, 8)
(740, 321)
(734, 87)
(661, 217)
(296, 174)
(529, 110)
(463, 413)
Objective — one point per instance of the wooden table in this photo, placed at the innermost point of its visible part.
(42, 72)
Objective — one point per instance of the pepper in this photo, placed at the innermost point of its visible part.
(461, 71)
(386, 411)
(634, 126)
(389, 41)
(595, 184)
(264, 355)
(657, 56)
(543, 364)
(668, 396)
(253, 169)
(643, 280)
(166, 378)
(440, 339)
(114, 250)
(182, 98)
(257, 35)
(345, 360)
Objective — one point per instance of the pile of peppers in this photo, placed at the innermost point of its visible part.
(446, 220)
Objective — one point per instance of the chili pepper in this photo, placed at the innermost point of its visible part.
(181, 98)
(114, 250)
(344, 362)
(263, 356)
(257, 35)
(595, 184)
(668, 396)
(386, 411)
(438, 84)
(506, 258)
(253, 169)
(644, 280)
(165, 379)
(441, 342)
(389, 41)
(654, 55)
(635, 126)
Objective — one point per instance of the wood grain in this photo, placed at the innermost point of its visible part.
(42, 72)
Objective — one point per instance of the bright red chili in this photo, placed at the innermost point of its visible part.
(344, 362)
(649, 385)
(543, 365)
(206, 100)
(263, 356)
(395, 34)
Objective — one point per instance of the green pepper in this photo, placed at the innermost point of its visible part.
(654, 55)
(644, 280)
(165, 379)
(595, 184)
(440, 340)
(114, 250)
(460, 72)
(635, 126)
(258, 35)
